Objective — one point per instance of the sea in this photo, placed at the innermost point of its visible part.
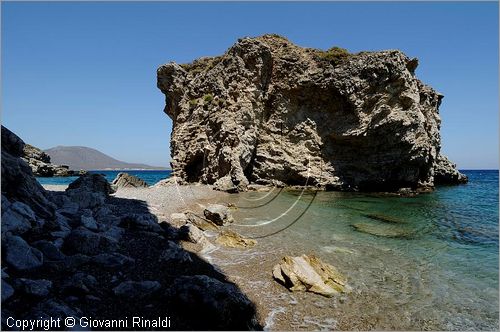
(150, 176)
(428, 262)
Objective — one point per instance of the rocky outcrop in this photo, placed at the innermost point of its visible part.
(268, 110)
(125, 180)
(309, 273)
(85, 253)
(40, 164)
(445, 172)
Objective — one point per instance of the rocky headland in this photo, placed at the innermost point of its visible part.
(40, 164)
(270, 112)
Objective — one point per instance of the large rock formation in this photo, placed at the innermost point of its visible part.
(268, 110)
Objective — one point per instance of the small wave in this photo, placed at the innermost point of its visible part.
(270, 317)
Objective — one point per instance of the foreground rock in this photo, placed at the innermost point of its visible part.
(280, 112)
(85, 253)
(308, 273)
(218, 214)
(125, 180)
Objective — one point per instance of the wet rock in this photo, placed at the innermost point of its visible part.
(384, 218)
(174, 254)
(20, 255)
(217, 303)
(234, 240)
(7, 290)
(18, 218)
(34, 287)
(308, 273)
(113, 260)
(86, 242)
(218, 214)
(136, 289)
(125, 180)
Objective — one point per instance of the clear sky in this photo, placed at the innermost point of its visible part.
(85, 73)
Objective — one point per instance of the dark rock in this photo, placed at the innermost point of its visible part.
(7, 291)
(17, 218)
(18, 182)
(20, 255)
(113, 260)
(136, 289)
(125, 180)
(87, 220)
(49, 250)
(446, 173)
(93, 183)
(141, 221)
(79, 284)
(83, 241)
(37, 287)
(216, 303)
(218, 214)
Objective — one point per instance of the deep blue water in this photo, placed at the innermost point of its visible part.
(150, 176)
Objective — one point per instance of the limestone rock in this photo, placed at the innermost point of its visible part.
(125, 180)
(20, 255)
(40, 163)
(268, 110)
(234, 240)
(445, 172)
(308, 273)
(218, 214)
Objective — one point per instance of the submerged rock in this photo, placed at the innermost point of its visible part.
(390, 231)
(125, 180)
(234, 240)
(268, 110)
(218, 214)
(309, 273)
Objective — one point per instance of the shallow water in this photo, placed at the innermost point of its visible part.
(424, 262)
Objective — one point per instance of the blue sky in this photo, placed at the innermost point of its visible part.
(85, 73)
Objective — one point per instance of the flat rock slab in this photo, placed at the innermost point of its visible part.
(218, 214)
(234, 240)
(309, 273)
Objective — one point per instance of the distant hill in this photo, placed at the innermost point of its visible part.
(81, 157)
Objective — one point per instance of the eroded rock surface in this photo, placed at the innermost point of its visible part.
(40, 163)
(309, 273)
(268, 110)
(125, 180)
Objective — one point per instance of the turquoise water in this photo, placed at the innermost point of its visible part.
(424, 262)
(150, 176)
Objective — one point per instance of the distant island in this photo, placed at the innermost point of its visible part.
(85, 158)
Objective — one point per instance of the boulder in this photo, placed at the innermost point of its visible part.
(92, 183)
(145, 221)
(218, 304)
(87, 220)
(125, 180)
(79, 284)
(446, 173)
(309, 273)
(114, 260)
(84, 241)
(7, 290)
(136, 289)
(271, 110)
(50, 251)
(20, 255)
(218, 214)
(234, 240)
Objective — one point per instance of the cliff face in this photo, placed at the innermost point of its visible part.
(269, 110)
